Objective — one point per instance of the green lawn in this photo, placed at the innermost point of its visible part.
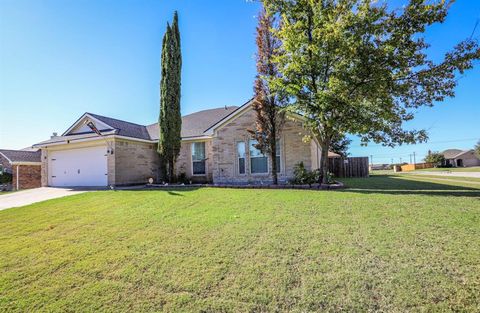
(390, 243)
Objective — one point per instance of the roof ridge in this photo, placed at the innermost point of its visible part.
(116, 119)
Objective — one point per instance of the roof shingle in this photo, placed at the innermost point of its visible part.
(195, 124)
(22, 156)
(124, 128)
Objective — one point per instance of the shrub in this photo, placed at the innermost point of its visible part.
(5, 178)
(183, 179)
(302, 176)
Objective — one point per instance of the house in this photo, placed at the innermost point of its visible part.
(460, 158)
(216, 147)
(25, 167)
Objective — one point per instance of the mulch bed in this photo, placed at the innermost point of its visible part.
(337, 185)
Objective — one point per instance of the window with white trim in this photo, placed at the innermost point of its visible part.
(278, 156)
(258, 160)
(198, 158)
(241, 156)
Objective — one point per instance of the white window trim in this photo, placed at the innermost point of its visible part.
(237, 165)
(280, 144)
(205, 160)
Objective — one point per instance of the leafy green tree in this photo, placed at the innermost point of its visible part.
(170, 119)
(435, 157)
(359, 67)
(477, 149)
(267, 102)
(339, 144)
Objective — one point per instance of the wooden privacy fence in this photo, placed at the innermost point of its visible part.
(349, 167)
(418, 166)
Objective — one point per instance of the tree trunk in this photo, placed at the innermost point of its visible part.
(163, 169)
(273, 157)
(324, 145)
(171, 171)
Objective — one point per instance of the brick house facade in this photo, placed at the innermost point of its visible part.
(216, 148)
(25, 167)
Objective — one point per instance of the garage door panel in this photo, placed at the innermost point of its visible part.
(79, 167)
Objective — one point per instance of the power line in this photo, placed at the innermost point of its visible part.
(416, 144)
(474, 28)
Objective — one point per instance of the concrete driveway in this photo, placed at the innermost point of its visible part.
(26, 197)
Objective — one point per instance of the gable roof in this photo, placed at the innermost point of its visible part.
(452, 153)
(195, 124)
(21, 156)
(123, 128)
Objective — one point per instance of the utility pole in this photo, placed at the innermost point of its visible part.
(391, 161)
(410, 158)
(414, 160)
(400, 160)
(371, 159)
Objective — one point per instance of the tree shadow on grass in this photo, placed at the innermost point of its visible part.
(395, 185)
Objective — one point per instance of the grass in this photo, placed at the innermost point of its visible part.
(389, 243)
(453, 169)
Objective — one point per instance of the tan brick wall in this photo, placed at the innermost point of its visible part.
(29, 176)
(225, 169)
(184, 161)
(135, 162)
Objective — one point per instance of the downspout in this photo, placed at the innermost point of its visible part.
(18, 170)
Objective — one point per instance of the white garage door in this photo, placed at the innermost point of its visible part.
(78, 167)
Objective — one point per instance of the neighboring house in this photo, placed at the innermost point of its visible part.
(216, 147)
(24, 166)
(460, 158)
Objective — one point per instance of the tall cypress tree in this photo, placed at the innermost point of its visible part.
(170, 120)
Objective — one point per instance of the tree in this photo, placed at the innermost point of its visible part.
(267, 102)
(339, 144)
(358, 67)
(477, 149)
(435, 157)
(170, 119)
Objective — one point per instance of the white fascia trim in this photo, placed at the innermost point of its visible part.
(197, 138)
(10, 161)
(97, 138)
(210, 131)
(132, 139)
(26, 163)
(239, 112)
(81, 118)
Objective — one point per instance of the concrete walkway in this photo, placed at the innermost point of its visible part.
(26, 197)
(447, 173)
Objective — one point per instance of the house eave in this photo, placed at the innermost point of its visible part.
(25, 163)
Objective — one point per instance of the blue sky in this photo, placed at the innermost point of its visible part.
(61, 58)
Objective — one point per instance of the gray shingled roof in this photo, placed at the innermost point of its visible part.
(195, 124)
(22, 156)
(451, 153)
(124, 128)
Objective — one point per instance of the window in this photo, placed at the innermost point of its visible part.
(198, 158)
(241, 157)
(258, 161)
(278, 154)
